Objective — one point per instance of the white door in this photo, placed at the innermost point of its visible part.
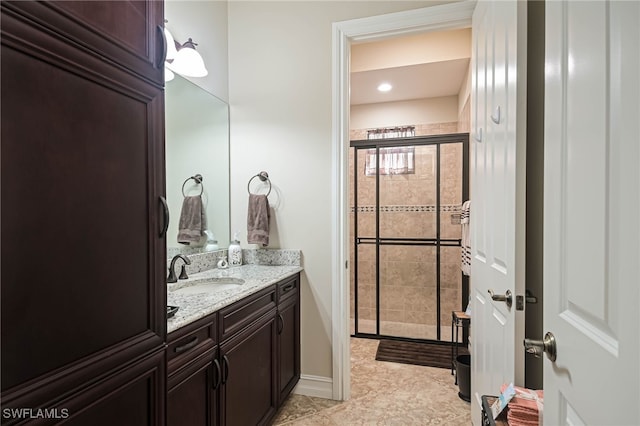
(592, 206)
(497, 196)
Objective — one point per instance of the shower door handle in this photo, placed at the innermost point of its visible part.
(506, 298)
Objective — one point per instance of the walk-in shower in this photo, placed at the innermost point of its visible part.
(406, 196)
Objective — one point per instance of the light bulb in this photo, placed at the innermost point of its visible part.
(188, 62)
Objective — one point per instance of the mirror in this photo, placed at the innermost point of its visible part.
(197, 142)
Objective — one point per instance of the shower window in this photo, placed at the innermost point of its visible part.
(393, 161)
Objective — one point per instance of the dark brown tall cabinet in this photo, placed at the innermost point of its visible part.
(83, 315)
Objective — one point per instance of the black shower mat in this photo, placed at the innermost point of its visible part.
(417, 353)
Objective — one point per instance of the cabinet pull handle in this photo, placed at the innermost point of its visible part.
(218, 374)
(187, 346)
(225, 362)
(164, 46)
(165, 218)
(288, 287)
(280, 323)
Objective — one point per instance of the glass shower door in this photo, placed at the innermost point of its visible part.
(405, 225)
(408, 255)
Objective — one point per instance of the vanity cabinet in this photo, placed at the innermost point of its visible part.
(194, 374)
(248, 395)
(245, 374)
(83, 295)
(288, 341)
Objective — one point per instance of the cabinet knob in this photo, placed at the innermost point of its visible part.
(225, 364)
(187, 346)
(163, 39)
(280, 323)
(165, 217)
(218, 380)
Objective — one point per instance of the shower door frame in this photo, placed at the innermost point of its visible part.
(437, 242)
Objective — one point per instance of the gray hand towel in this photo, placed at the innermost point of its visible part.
(193, 220)
(258, 220)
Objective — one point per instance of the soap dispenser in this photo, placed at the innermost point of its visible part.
(235, 251)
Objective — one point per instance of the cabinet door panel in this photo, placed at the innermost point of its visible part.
(125, 32)
(81, 174)
(134, 396)
(192, 400)
(249, 395)
(289, 346)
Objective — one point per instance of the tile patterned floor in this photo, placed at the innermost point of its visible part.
(383, 393)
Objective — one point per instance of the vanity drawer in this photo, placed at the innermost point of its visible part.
(190, 341)
(288, 287)
(241, 313)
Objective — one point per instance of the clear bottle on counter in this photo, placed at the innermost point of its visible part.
(212, 242)
(235, 251)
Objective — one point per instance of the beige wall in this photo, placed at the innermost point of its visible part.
(280, 97)
(412, 50)
(419, 111)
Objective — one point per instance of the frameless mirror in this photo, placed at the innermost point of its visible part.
(197, 142)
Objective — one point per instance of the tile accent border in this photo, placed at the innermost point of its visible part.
(405, 209)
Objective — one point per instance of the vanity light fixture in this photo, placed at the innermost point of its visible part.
(168, 74)
(182, 58)
(384, 87)
(171, 44)
(188, 62)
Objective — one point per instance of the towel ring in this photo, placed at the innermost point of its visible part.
(198, 178)
(263, 176)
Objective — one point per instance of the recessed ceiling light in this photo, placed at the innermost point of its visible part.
(384, 87)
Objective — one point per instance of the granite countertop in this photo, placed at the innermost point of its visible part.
(196, 306)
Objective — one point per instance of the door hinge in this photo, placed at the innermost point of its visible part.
(346, 264)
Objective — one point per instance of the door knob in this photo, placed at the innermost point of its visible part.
(537, 347)
(506, 298)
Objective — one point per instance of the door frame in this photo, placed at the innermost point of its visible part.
(435, 18)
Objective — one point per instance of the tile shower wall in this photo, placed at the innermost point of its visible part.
(408, 300)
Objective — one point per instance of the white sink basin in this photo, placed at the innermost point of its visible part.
(210, 285)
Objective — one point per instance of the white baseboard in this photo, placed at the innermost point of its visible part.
(318, 386)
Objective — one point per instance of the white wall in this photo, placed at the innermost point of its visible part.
(205, 21)
(280, 97)
(419, 111)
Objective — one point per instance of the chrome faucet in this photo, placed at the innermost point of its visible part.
(172, 271)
